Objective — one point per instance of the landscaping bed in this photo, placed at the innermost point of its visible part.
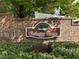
(23, 50)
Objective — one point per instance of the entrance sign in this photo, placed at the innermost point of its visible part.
(42, 31)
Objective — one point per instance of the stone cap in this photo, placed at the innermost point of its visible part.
(54, 18)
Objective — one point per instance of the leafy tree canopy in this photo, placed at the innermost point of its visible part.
(23, 8)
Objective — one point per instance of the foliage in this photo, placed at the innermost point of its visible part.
(66, 50)
(75, 9)
(22, 8)
(4, 6)
(22, 50)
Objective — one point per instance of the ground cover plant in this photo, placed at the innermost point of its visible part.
(23, 50)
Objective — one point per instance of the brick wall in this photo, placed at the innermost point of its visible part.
(68, 32)
(11, 29)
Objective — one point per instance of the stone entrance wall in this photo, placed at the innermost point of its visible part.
(13, 29)
(68, 32)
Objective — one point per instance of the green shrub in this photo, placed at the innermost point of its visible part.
(23, 50)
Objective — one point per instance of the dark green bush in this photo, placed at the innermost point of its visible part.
(66, 50)
(23, 50)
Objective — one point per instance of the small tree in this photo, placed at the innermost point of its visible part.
(21, 8)
(20, 11)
